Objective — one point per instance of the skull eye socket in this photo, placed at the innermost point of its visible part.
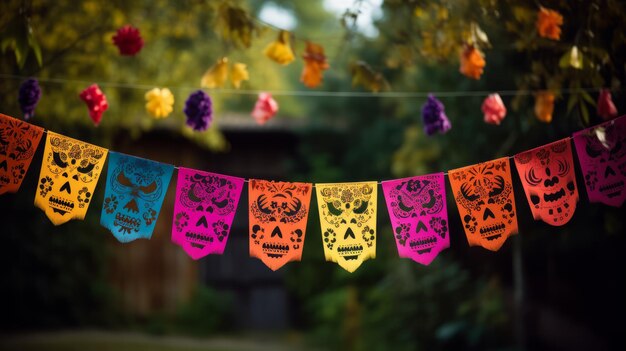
(123, 180)
(563, 168)
(334, 210)
(403, 206)
(149, 188)
(362, 208)
(465, 191)
(58, 159)
(87, 168)
(531, 178)
(498, 187)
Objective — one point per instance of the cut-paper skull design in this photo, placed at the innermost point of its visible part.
(602, 154)
(547, 174)
(68, 177)
(485, 199)
(18, 143)
(278, 215)
(419, 218)
(203, 214)
(348, 221)
(135, 190)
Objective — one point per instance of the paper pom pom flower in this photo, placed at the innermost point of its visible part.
(96, 102)
(216, 75)
(159, 102)
(128, 40)
(265, 108)
(280, 51)
(494, 109)
(472, 62)
(544, 106)
(238, 74)
(434, 116)
(549, 23)
(606, 107)
(199, 110)
(28, 97)
(314, 65)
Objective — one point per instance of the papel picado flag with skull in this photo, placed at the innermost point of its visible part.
(278, 212)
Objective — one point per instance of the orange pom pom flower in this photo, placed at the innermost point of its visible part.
(544, 106)
(314, 65)
(472, 62)
(549, 23)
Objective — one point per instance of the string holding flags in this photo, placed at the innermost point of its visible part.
(206, 203)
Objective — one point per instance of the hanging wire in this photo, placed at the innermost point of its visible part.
(306, 93)
(378, 182)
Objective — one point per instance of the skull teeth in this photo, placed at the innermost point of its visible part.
(613, 188)
(127, 222)
(198, 239)
(350, 250)
(61, 203)
(495, 229)
(275, 250)
(554, 196)
(423, 244)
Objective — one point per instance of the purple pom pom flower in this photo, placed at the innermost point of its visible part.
(199, 110)
(28, 97)
(434, 116)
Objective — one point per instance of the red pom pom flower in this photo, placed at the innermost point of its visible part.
(606, 107)
(96, 102)
(128, 40)
(265, 108)
(494, 109)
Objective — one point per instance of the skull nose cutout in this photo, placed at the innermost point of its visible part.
(3, 165)
(420, 226)
(349, 233)
(202, 222)
(66, 187)
(488, 213)
(609, 171)
(277, 232)
(132, 206)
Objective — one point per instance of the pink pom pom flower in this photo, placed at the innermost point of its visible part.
(128, 40)
(606, 107)
(265, 108)
(494, 109)
(96, 102)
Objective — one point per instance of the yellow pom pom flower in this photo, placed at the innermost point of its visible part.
(280, 51)
(239, 73)
(159, 102)
(216, 76)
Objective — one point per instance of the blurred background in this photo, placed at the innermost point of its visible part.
(74, 287)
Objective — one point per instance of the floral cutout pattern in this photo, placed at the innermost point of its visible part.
(69, 173)
(135, 190)
(419, 218)
(204, 211)
(348, 221)
(485, 199)
(278, 217)
(18, 143)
